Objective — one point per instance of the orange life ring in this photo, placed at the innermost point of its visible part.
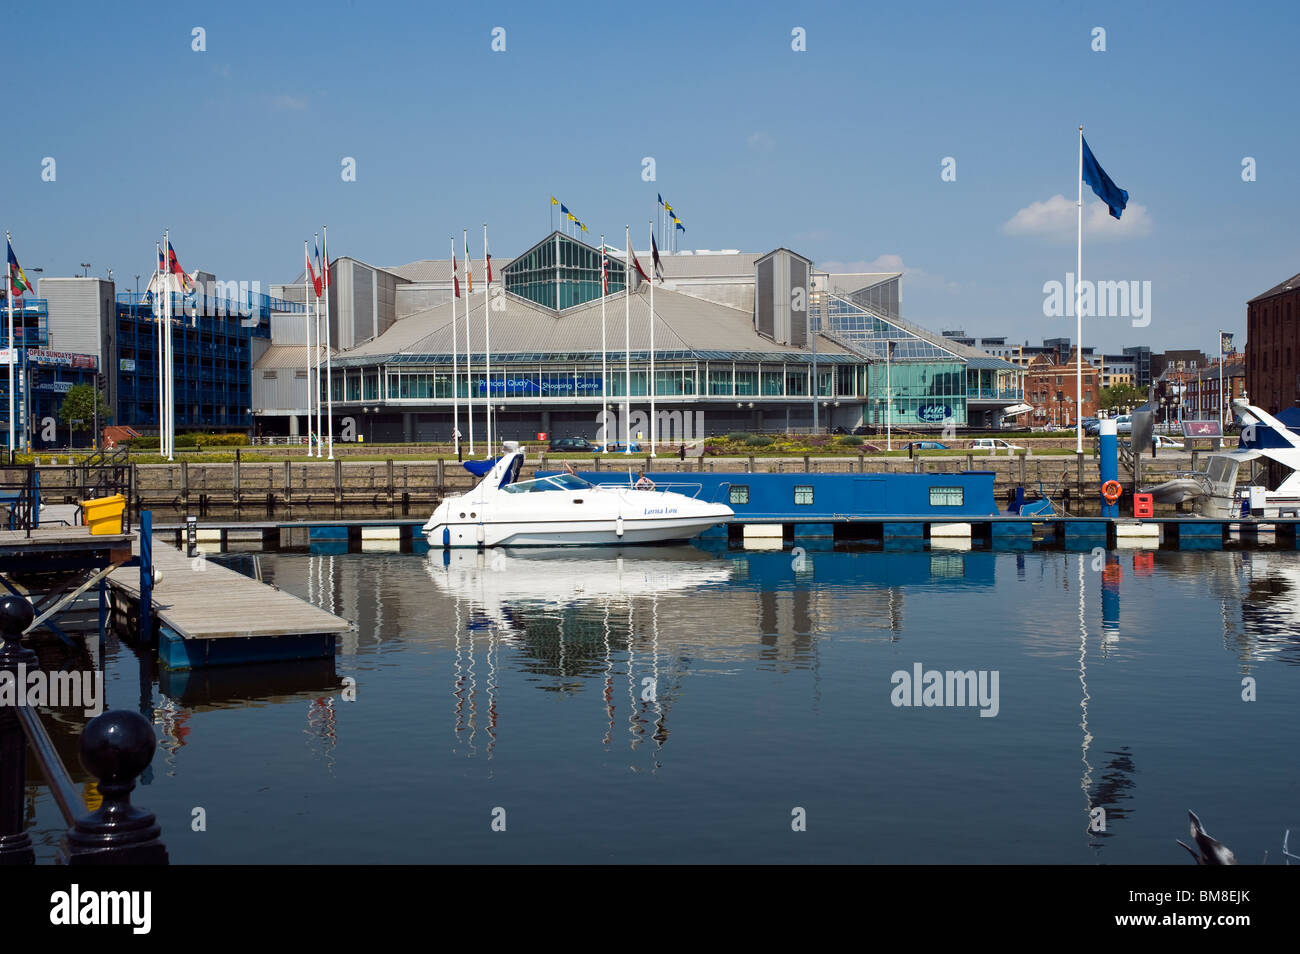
(1111, 490)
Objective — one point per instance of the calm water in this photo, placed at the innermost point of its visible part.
(678, 704)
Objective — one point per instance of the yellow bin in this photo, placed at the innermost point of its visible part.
(104, 515)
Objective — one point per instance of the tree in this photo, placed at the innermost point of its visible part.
(79, 404)
(1120, 395)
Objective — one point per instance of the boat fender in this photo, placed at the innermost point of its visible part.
(1111, 490)
(618, 527)
(446, 537)
(479, 533)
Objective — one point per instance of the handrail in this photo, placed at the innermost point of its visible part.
(115, 746)
(47, 759)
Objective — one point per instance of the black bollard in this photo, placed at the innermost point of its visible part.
(16, 615)
(115, 747)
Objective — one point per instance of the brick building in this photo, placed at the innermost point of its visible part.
(1273, 332)
(1050, 389)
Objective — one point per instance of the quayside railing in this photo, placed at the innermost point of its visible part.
(115, 747)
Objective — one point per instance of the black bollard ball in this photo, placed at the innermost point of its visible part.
(16, 614)
(117, 746)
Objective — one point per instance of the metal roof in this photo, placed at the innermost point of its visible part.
(684, 325)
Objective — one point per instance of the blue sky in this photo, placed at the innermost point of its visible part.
(834, 151)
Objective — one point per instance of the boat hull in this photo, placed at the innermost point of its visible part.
(550, 533)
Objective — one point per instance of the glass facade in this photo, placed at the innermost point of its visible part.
(922, 393)
(527, 382)
(534, 274)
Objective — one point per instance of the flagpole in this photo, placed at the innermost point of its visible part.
(487, 340)
(1222, 416)
(319, 451)
(306, 323)
(627, 342)
(1078, 313)
(162, 368)
(604, 370)
(167, 334)
(329, 363)
(12, 352)
(455, 367)
(469, 353)
(653, 423)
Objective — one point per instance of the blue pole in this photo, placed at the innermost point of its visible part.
(146, 574)
(1109, 463)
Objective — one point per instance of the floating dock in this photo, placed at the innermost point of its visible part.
(209, 615)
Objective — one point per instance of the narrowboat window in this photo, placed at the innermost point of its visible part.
(803, 495)
(739, 494)
(947, 496)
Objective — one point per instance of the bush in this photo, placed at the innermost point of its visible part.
(758, 440)
(851, 439)
(221, 440)
(143, 443)
(739, 437)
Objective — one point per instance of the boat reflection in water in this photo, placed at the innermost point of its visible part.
(571, 618)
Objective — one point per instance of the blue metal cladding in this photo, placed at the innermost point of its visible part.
(786, 498)
(212, 356)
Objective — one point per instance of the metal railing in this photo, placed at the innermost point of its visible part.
(115, 747)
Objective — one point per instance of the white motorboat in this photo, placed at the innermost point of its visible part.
(564, 509)
(1259, 482)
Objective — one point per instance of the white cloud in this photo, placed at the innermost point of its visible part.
(890, 262)
(286, 101)
(1057, 219)
(881, 263)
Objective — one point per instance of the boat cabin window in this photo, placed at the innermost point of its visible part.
(803, 495)
(947, 496)
(545, 484)
(1222, 470)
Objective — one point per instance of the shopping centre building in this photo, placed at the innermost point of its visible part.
(741, 342)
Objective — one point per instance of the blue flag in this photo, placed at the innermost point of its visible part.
(1102, 184)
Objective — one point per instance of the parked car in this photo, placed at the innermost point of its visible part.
(616, 447)
(1166, 443)
(993, 445)
(1124, 424)
(572, 445)
(925, 445)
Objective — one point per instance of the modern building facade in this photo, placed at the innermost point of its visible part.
(1273, 330)
(740, 342)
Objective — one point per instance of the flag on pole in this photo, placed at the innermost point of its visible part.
(661, 198)
(1225, 342)
(19, 283)
(554, 201)
(315, 275)
(604, 271)
(455, 271)
(667, 207)
(174, 267)
(487, 255)
(469, 271)
(325, 265)
(654, 253)
(1102, 184)
(678, 223)
(637, 265)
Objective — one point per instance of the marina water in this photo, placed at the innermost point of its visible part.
(685, 704)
